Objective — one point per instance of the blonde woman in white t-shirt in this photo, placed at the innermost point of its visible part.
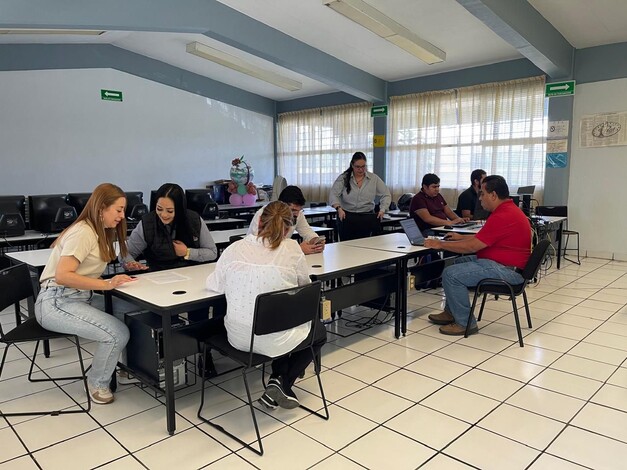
(79, 257)
(266, 262)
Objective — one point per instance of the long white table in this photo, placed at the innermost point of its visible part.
(185, 292)
(548, 221)
(341, 259)
(395, 243)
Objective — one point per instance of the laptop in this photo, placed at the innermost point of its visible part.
(464, 224)
(413, 232)
(527, 189)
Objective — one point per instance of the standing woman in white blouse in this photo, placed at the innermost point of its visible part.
(353, 195)
(262, 263)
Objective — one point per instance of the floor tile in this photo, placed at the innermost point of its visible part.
(366, 369)
(20, 463)
(409, 385)
(546, 403)
(342, 428)
(477, 445)
(440, 431)
(599, 353)
(375, 404)
(612, 396)
(11, 445)
(550, 462)
(513, 368)
(568, 384)
(533, 354)
(487, 384)
(528, 428)
(438, 368)
(588, 449)
(460, 404)
(602, 420)
(367, 451)
(395, 354)
(584, 367)
(463, 354)
(334, 462)
(444, 462)
(552, 342)
(81, 449)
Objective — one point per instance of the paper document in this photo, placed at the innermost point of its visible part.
(165, 277)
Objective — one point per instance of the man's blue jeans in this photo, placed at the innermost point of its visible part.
(467, 272)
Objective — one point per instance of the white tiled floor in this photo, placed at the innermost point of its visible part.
(423, 401)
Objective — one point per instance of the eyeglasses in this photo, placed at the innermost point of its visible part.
(359, 167)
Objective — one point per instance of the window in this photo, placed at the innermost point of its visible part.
(314, 146)
(499, 127)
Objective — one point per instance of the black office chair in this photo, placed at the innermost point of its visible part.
(274, 311)
(501, 287)
(15, 286)
(562, 211)
(235, 238)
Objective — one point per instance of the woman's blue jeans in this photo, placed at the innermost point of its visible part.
(68, 310)
(467, 272)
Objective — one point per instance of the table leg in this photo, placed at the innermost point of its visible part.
(400, 301)
(559, 243)
(168, 362)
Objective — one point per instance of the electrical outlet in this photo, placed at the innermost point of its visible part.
(325, 308)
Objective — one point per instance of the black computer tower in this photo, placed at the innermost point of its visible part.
(145, 348)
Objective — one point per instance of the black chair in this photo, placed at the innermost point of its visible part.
(274, 311)
(235, 238)
(15, 286)
(562, 211)
(500, 287)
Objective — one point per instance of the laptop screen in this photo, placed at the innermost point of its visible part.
(526, 189)
(411, 230)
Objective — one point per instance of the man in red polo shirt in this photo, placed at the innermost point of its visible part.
(502, 248)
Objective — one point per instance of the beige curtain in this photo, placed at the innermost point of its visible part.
(499, 127)
(314, 146)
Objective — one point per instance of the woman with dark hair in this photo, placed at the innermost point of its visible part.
(353, 195)
(78, 259)
(266, 262)
(170, 236)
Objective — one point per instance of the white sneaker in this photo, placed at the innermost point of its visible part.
(124, 378)
(100, 395)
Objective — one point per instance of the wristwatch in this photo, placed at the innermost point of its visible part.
(187, 253)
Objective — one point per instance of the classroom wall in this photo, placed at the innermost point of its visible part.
(59, 136)
(597, 194)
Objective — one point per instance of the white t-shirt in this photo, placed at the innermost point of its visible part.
(81, 242)
(304, 229)
(248, 268)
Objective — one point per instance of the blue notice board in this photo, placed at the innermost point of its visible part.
(556, 160)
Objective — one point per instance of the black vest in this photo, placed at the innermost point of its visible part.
(159, 253)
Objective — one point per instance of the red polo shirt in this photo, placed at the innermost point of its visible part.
(507, 234)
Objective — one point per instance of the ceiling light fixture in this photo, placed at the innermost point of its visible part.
(370, 18)
(235, 63)
(81, 32)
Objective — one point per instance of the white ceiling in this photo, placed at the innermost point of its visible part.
(445, 23)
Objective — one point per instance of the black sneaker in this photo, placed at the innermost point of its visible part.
(267, 402)
(285, 398)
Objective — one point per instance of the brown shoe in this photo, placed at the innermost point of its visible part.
(454, 329)
(443, 318)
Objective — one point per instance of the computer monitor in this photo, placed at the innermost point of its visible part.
(201, 201)
(526, 189)
(12, 216)
(153, 200)
(78, 201)
(50, 213)
(135, 207)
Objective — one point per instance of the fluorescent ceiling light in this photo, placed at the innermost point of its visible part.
(81, 32)
(235, 63)
(370, 18)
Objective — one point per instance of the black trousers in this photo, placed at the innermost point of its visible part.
(358, 225)
(291, 366)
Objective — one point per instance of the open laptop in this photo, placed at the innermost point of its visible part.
(527, 189)
(413, 232)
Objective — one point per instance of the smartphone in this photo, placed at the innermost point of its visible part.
(316, 241)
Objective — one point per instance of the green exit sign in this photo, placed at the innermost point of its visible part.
(111, 95)
(559, 89)
(378, 111)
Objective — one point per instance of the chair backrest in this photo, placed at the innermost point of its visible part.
(286, 308)
(15, 285)
(535, 260)
(278, 185)
(235, 238)
(553, 211)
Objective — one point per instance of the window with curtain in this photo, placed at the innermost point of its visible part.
(314, 146)
(499, 127)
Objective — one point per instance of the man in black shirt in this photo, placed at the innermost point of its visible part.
(468, 202)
